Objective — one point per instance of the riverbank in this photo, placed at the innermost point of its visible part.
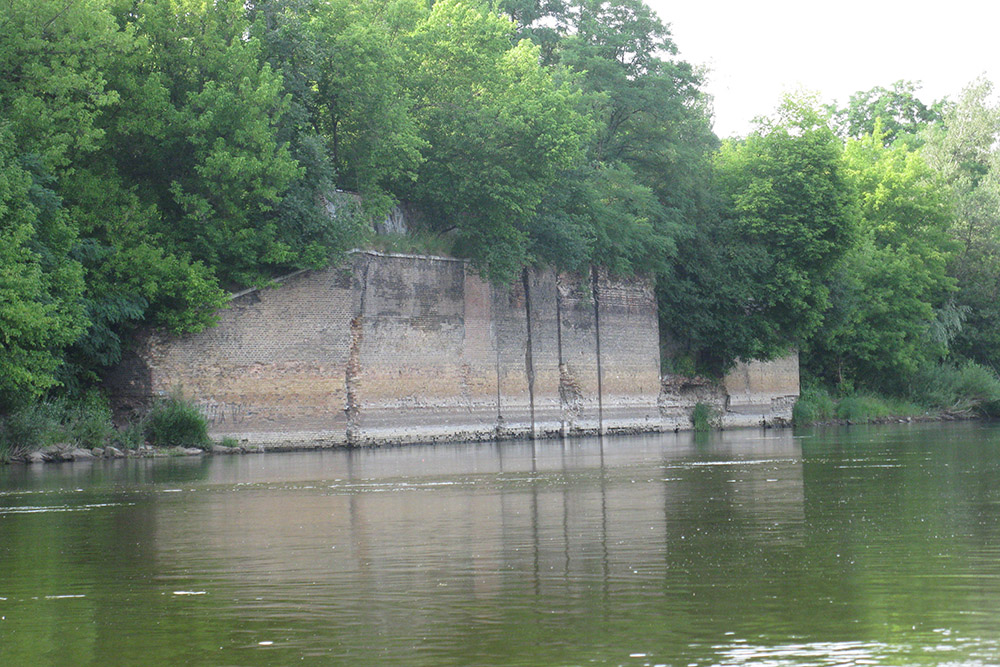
(74, 452)
(818, 407)
(176, 426)
(69, 453)
(939, 417)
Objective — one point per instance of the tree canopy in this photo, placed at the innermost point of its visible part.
(899, 113)
(754, 275)
(155, 154)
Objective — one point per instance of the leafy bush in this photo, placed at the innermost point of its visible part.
(29, 428)
(965, 389)
(705, 418)
(814, 405)
(176, 422)
(678, 364)
(131, 436)
(88, 422)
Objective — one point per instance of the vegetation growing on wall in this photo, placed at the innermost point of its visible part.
(156, 153)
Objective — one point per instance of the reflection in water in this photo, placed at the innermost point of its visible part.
(862, 546)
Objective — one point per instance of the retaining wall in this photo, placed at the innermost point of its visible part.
(399, 348)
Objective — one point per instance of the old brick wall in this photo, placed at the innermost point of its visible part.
(400, 348)
(755, 393)
(629, 355)
(759, 390)
(276, 357)
(427, 369)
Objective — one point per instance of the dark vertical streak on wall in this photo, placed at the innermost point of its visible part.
(597, 336)
(563, 406)
(353, 370)
(529, 362)
(494, 323)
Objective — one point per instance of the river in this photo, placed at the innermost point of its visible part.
(837, 546)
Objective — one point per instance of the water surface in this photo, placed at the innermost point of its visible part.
(859, 546)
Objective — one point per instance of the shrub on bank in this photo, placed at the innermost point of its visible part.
(969, 388)
(705, 418)
(87, 423)
(131, 436)
(84, 422)
(175, 421)
(817, 405)
(29, 428)
(814, 405)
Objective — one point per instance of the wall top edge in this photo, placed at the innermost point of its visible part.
(279, 279)
(354, 251)
(402, 255)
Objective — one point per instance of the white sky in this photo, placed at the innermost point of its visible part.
(757, 50)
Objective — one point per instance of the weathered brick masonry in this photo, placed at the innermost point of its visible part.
(398, 348)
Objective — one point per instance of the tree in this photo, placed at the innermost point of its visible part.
(500, 130)
(529, 17)
(651, 113)
(964, 151)
(52, 97)
(887, 296)
(197, 136)
(646, 168)
(344, 66)
(753, 276)
(898, 110)
(41, 311)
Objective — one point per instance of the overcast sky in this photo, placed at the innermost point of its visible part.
(758, 49)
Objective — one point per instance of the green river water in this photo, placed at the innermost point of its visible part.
(839, 546)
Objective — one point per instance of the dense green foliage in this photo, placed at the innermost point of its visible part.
(705, 418)
(965, 151)
(155, 153)
(881, 323)
(176, 422)
(501, 129)
(753, 279)
(898, 112)
(83, 422)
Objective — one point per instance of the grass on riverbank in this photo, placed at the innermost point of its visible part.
(176, 422)
(819, 406)
(86, 423)
(705, 418)
(936, 392)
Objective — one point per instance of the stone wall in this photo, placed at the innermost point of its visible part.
(762, 391)
(755, 393)
(399, 348)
